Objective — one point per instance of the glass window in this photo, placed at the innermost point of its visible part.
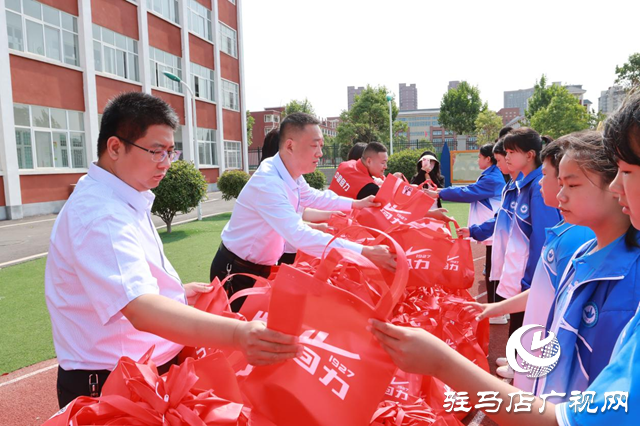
(228, 38)
(13, 5)
(162, 61)
(177, 138)
(44, 153)
(230, 95)
(207, 147)
(78, 151)
(40, 116)
(58, 118)
(166, 8)
(14, 31)
(203, 82)
(232, 155)
(25, 152)
(60, 149)
(76, 120)
(21, 114)
(48, 31)
(97, 55)
(199, 19)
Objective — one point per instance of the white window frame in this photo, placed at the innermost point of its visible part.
(158, 79)
(205, 77)
(70, 29)
(232, 1)
(207, 139)
(69, 133)
(130, 52)
(165, 10)
(228, 36)
(233, 154)
(230, 96)
(198, 11)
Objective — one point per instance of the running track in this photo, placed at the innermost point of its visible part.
(28, 396)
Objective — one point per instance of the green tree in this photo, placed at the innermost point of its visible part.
(231, 182)
(250, 122)
(298, 106)
(629, 73)
(563, 115)
(488, 125)
(368, 119)
(541, 98)
(180, 191)
(460, 108)
(404, 162)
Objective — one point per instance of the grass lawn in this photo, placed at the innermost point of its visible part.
(25, 329)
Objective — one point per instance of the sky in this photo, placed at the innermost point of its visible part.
(296, 49)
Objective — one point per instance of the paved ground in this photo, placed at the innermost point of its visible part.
(26, 239)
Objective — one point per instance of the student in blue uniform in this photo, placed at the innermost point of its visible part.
(408, 346)
(484, 196)
(497, 228)
(561, 242)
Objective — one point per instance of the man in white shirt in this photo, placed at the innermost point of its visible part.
(265, 214)
(109, 288)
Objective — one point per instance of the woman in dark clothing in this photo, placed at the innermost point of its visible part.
(428, 165)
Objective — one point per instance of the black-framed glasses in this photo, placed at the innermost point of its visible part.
(157, 156)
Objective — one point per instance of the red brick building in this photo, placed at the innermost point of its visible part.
(62, 60)
(508, 114)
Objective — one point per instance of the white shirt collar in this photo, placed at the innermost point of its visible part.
(284, 173)
(141, 201)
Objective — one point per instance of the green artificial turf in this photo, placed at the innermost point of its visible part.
(460, 211)
(25, 329)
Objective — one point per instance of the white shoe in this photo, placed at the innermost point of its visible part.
(501, 320)
(502, 361)
(505, 371)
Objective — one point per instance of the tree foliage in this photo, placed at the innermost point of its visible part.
(250, 122)
(316, 179)
(541, 98)
(181, 190)
(563, 115)
(488, 125)
(299, 106)
(404, 161)
(231, 183)
(460, 108)
(368, 119)
(629, 73)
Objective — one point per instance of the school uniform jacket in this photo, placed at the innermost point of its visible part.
(498, 228)
(484, 196)
(597, 297)
(561, 243)
(531, 217)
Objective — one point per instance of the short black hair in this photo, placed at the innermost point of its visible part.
(524, 139)
(130, 115)
(504, 131)
(554, 151)
(355, 153)
(271, 144)
(296, 121)
(498, 148)
(486, 150)
(618, 129)
(373, 148)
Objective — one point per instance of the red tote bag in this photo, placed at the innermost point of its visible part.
(344, 372)
(400, 202)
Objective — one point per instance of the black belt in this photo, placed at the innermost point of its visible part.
(261, 269)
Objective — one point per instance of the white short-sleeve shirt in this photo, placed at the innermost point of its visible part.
(105, 252)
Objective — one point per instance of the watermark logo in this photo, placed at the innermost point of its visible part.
(540, 358)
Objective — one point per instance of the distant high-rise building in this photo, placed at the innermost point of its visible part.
(610, 99)
(517, 99)
(453, 85)
(352, 91)
(408, 97)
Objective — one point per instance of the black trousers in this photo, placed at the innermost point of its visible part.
(492, 286)
(225, 262)
(74, 383)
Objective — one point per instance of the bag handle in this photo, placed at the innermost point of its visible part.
(394, 292)
(248, 291)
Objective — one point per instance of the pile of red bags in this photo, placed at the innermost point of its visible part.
(343, 377)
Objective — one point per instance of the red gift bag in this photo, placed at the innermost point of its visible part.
(400, 202)
(343, 372)
(435, 258)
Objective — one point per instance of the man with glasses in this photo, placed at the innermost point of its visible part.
(110, 290)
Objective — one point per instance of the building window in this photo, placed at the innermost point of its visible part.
(437, 133)
(271, 118)
(199, 20)
(177, 138)
(232, 155)
(49, 137)
(163, 61)
(115, 53)
(37, 28)
(207, 147)
(165, 8)
(448, 139)
(202, 80)
(230, 95)
(232, 1)
(228, 38)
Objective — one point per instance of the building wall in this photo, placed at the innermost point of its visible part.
(40, 81)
